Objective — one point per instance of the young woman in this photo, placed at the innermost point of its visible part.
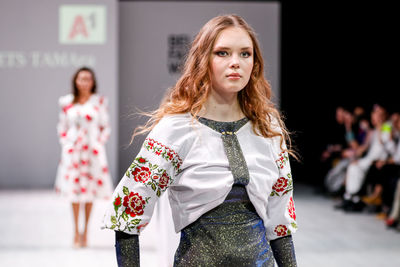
(218, 144)
(83, 130)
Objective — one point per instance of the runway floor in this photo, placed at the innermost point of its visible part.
(36, 230)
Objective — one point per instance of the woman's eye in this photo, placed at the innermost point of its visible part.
(222, 53)
(245, 54)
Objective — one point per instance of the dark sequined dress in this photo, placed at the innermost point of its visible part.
(231, 234)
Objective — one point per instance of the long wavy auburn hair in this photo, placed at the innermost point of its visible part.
(193, 88)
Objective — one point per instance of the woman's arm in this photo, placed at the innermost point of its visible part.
(127, 249)
(283, 249)
(104, 123)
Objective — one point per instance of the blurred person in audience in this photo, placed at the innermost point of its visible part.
(383, 175)
(356, 171)
(83, 130)
(356, 136)
(218, 144)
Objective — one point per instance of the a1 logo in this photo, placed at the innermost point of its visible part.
(82, 24)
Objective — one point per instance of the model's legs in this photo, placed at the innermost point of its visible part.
(88, 210)
(75, 211)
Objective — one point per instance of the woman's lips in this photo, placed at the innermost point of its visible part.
(234, 76)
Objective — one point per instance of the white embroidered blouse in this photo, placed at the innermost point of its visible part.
(188, 158)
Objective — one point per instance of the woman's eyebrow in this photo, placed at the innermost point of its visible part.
(228, 48)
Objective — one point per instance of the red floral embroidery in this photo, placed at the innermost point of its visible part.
(163, 180)
(291, 209)
(281, 230)
(134, 204)
(141, 174)
(280, 184)
(165, 152)
(142, 160)
(117, 202)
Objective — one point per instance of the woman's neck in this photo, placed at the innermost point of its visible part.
(222, 108)
(83, 98)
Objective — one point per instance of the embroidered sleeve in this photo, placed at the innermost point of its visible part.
(147, 178)
(104, 123)
(281, 209)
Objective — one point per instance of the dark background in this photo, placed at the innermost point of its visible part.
(333, 54)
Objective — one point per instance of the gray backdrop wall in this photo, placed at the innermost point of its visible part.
(37, 61)
(152, 38)
(39, 52)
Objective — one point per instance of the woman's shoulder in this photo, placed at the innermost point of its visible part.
(172, 127)
(65, 100)
(99, 99)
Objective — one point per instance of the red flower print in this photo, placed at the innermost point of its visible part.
(95, 152)
(170, 155)
(117, 202)
(281, 230)
(85, 147)
(66, 108)
(134, 204)
(151, 143)
(83, 190)
(100, 182)
(75, 165)
(88, 117)
(155, 177)
(141, 174)
(96, 108)
(158, 152)
(76, 180)
(291, 209)
(84, 162)
(105, 169)
(142, 160)
(66, 177)
(63, 134)
(163, 180)
(70, 150)
(101, 128)
(280, 184)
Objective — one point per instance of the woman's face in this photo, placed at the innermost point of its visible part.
(231, 61)
(84, 82)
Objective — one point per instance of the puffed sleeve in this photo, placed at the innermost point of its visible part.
(64, 103)
(281, 209)
(152, 171)
(104, 123)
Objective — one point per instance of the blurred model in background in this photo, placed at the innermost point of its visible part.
(83, 130)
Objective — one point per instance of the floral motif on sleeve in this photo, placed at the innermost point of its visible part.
(282, 160)
(291, 209)
(282, 186)
(143, 171)
(281, 230)
(165, 152)
(132, 205)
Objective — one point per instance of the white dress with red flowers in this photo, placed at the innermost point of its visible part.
(83, 130)
(188, 158)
